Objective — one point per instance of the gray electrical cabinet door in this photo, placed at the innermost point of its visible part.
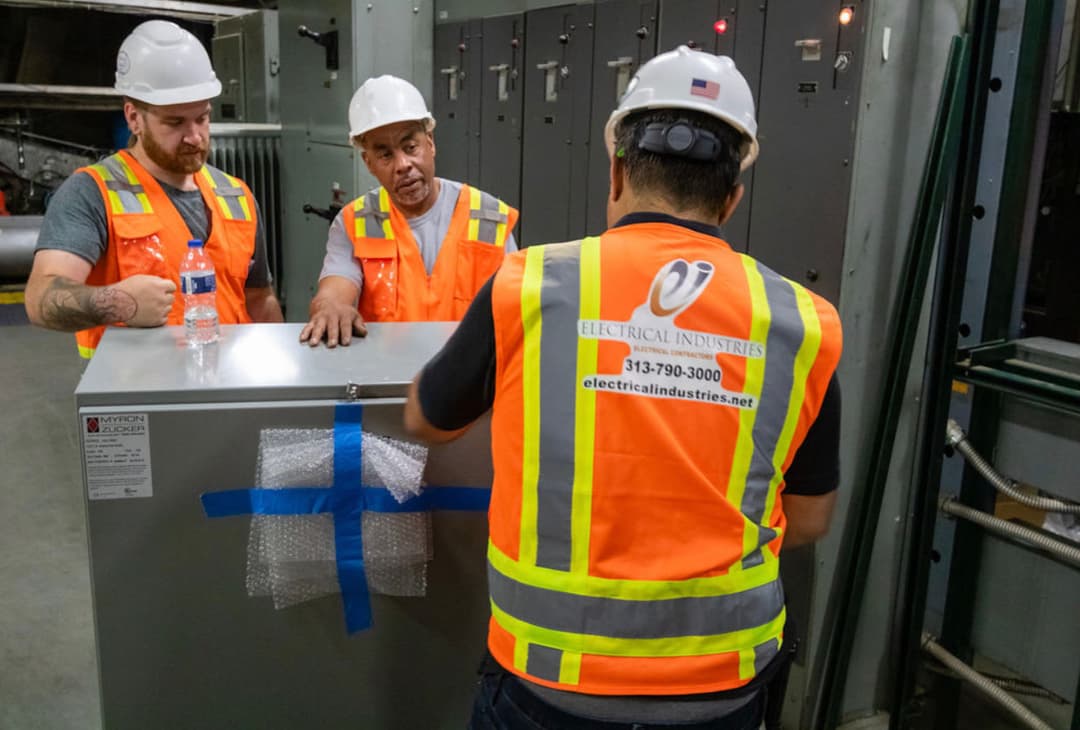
(456, 99)
(501, 111)
(625, 38)
(313, 170)
(373, 37)
(180, 644)
(740, 35)
(806, 120)
(247, 60)
(555, 163)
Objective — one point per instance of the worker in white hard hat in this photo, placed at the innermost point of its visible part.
(115, 233)
(418, 247)
(665, 419)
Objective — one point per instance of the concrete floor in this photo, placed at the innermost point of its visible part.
(48, 671)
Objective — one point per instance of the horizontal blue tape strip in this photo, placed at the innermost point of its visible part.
(288, 501)
(314, 500)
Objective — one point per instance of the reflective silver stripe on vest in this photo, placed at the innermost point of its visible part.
(782, 346)
(629, 619)
(226, 191)
(373, 216)
(125, 190)
(764, 653)
(560, 297)
(544, 662)
(489, 217)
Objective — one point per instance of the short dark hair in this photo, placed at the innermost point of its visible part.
(685, 183)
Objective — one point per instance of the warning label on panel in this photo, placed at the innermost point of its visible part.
(116, 447)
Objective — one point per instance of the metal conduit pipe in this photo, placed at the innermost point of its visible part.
(956, 438)
(984, 685)
(1060, 550)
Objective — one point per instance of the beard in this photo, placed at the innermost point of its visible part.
(184, 161)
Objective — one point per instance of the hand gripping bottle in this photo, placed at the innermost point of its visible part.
(199, 287)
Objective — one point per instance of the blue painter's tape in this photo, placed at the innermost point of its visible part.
(290, 501)
(346, 500)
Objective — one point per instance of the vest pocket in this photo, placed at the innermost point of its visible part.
(378, 299)
(476, 263)
(139, 248)
(235, 260)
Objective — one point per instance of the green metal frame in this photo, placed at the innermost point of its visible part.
(849, 581)
(1001, 367)
(995, 368)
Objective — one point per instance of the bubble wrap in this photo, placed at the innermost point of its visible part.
(292, 557)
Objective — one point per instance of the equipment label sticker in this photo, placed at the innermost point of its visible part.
(667, 361)
(116, 448)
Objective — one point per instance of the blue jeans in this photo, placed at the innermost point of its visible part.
(502, 703)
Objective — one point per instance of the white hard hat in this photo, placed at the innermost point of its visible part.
(160, 63)
(385, 100)
(686, 79)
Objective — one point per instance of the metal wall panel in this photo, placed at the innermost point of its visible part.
(558, 82)
(501, 111)
(247, 60)
(692, 23)
(314, 97)
(313, 168)
(375, 37)
(625, 38)
(806, 119)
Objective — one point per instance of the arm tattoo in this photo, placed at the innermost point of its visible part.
(70, 306)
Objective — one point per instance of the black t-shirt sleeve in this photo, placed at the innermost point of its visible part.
(458, 385)
(815, 470)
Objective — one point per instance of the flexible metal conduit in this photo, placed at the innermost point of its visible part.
(984, 685)
(1061, 550)
(956, 438)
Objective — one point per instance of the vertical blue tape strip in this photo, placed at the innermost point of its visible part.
(348, 507)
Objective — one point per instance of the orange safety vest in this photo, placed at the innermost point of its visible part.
(397, 287)
(652, 386)
(147, 235)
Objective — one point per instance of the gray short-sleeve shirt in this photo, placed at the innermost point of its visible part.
(428, 229)
(76, 221)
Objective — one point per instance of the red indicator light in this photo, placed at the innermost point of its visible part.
(846, 14)
(720, 26)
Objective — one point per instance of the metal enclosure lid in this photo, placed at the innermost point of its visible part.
(254, 362)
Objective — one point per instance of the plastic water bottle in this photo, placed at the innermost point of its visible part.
(199, 287)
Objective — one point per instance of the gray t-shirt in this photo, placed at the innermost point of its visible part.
(76, 222)
(428, 229)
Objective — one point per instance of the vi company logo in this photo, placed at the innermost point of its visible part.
(677, 284)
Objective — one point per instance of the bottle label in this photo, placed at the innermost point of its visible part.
(197, 282)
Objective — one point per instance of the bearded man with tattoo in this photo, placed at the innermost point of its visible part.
(115, 233)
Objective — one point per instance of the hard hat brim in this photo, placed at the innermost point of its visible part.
(429, 124)
(183, 95)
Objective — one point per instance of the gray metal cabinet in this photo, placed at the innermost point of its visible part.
(501, 108)
(180, 644)
(624, 38)
(809, 85)
(554, 164)
(456, 99)
(694, 23)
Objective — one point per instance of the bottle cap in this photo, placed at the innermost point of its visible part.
(195, 243)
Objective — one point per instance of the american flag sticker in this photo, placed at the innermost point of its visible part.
(701, 87)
